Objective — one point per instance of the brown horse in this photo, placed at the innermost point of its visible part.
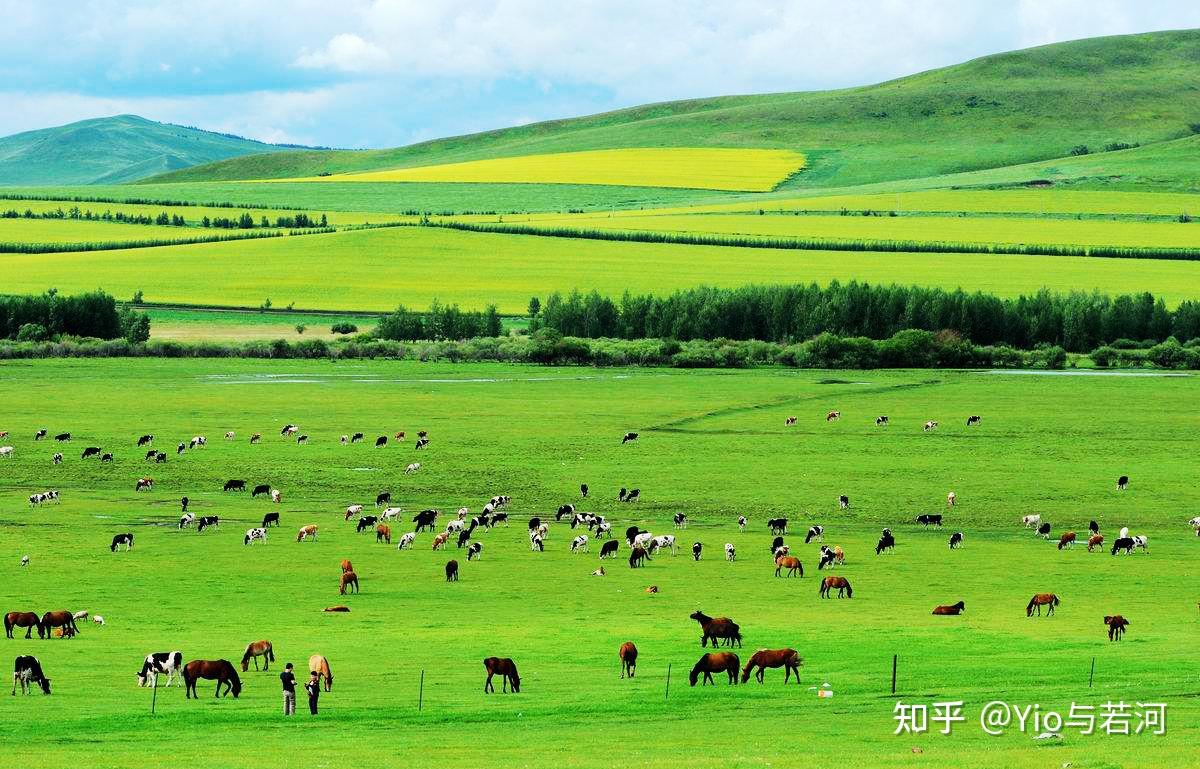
(504, 667)
(1066, 540)
(628, 655)
(719, 628)
(62, 619)
(1116, 626)
(716, 662)
(349, 579)
(220, 670)
(791, 563)
(841, 583)
(257, 649)
(1096, 540)
(1049, 600)
(383, 533)
(452, 571)
(953, 610)
(319, 665)
(336, 608)
(347, 566)
(26, 619)
(788, 659)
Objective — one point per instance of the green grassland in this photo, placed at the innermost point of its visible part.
(195, 324)
(713, 445)
(378, 269)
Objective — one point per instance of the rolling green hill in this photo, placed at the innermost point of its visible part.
(112, 150)
(1020, 107)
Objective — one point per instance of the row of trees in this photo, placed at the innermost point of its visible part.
(50, 316)
(246, 222)
(1078, 321)
(442, 321)
(243, 222)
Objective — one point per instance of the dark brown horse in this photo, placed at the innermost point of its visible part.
(26, 619)
(1116, 626)
(220, 670)
(452, 571)
(257, 649)
(841, 583)
(62, 619)
(628, 654)
(505, 668)
(952, 610)
(719, 628)
(788, 659)
(349, 579)
(1049, 600)
(716, 662)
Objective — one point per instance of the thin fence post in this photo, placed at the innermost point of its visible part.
(154, 695)
(894, 657)
(1092, 674)
(668, 692)
(421, 693)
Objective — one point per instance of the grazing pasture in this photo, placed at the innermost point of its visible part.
(712, 444)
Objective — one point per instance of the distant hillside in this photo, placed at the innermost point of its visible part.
(112, 150)
(999, 110)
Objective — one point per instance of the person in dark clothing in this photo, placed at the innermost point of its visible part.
(313, 687)
(288, 678)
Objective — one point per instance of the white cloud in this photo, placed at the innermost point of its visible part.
(345, 53)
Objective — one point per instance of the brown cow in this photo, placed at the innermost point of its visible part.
(307, 532)
(1096, 540)
(383, 533)
(1067, 540)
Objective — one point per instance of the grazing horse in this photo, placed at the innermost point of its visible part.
(790, 563)
(1116, 626)
(788, 659)
(1049, 600)
(62, 619)
(841, 583)
(1096, 540)
(26, 619)
(637, 555)
(452, 571)
(506, 669)
(953, 609)
(715, 662)
(717, 628)
(319, 665)
(349, 579)
(220, 670)
(628, 656)
(27, 670)
(257, 649)
(1067, 540)
(125, 539)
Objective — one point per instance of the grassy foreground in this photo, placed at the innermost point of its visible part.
(714, 446)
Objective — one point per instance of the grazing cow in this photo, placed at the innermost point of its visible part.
(580, 544)
(951, 499)
(629, 437)
(353, 510)
(348, 579)
(833, 415)
(1049, 600)
(500, 518)
(815, 532)
(452, 571)
(158, 663)
(260, 490)
(886, 542)
(400, 435)
(187, 519)
(61, 437)
(125, 539)
(106, 457)
(206, 521)
(345, 439)
(256, 438)
(474, 551)
(420, 434)
(1142, 542)
(788, 659)
(1094, 541)
(1122, 482)
(255, 535)
(412, 468)
(628, 655)
(716, 662)
(57, 458)
(621, 494)
(307, 532)
(230, 435)
(666, 541)
(506, 669)
(844, 502)
(583, 490)
(825, 558)
(180, 448)
(366, 522)
(1093, 527)
(643, 539)
(1195, 523)
(1116, 626)
(26, 619)
(381, 441)
(384, 498)
(276, 496)
(956, 540)
(717, 629)
(463, 538)
(537, 542)
(789, 421)
(301, 440)
(90, 451)
(319, 665)
(953, 610)
(425, 519)
(39, 434)
(383, 533)
(637, 555)
(421, 443)
(730, 552)
(565, 511)
(775, 545)
(1067, 540)
(144, 440)
(151, 454)
(356, 438)
(406, 539)
(389, 513)
(1031, 521)
(439, 541)
(680, 521)
(160, 457)
(608, 549)
(270, 518)
(26, 671)
(929, 520)
(633, 495)
(458, 525)
(778, 525)
(974, 419)
(198, 441)
(1044, 531)
(790, 563)
(930, 425)
(234, 485)
(289, 430)
(742, 521)
(881, 421)
(841, 583)
(220, 670)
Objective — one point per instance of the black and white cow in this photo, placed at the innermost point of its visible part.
(206, 521)
(566, 511)
(125, 539)
(974, 419)
(366, 522)
(580, 544)
(633, 495)
(680, 521)
(1123, 543)
(182, 447)
(356, 438)
(425, 519)
(57, 458)
(629, 437)
(730, 552)
(844, 502)
(583, 489)
(881, 421)
(187, 519)
(90, 451)
(106, 457)
(27, 670)
(886, 542)
(778, 525)
(1044, 531)
(474, 551)
(815, 532)
(257, 534)
(381, 441)
(742, 521)
(956, 540)
(144, 440)
(156, 663)
(697, 550)
(826, 557)
(421, 443)
(929, 519)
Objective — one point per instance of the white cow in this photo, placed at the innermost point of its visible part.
(579, 544)
(455, 525)
(187, 519)
(665, 542)
(1031, 521)
(6, 452)
(951, 499)
(1142, 542)
(730, 553)
(1124, 531)
(463, 512)
(98, 619)
(406, 540)
(276, 496)
(257, 534)
(930, 425)
(389, 513)
(412, 468)
(643, 539)
(198, 440)
(603, 529)
(1195, 523)
(353, 510)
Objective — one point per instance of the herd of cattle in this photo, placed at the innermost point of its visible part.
(466, 528)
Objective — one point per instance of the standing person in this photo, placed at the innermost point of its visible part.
(313, 687)
(289, 690)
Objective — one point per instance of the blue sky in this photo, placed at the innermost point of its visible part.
(362, 73)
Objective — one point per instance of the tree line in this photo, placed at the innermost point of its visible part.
(1078, 321)
(51, 316)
